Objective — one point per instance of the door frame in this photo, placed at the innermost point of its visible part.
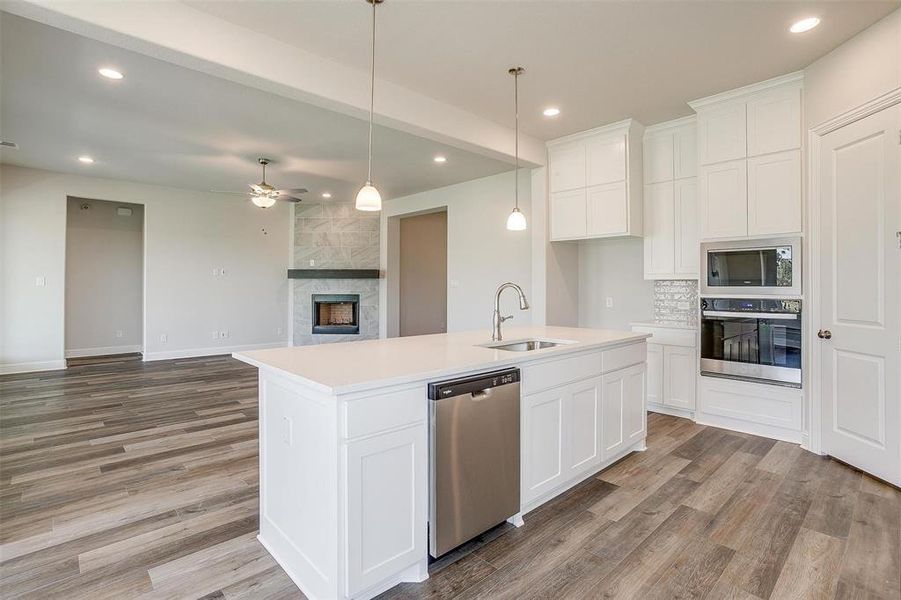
(814, 439)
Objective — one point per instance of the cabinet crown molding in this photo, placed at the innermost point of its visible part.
(620, 126)
(797, 78)
(667, 126)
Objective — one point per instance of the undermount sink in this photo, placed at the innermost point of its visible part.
(527, 345)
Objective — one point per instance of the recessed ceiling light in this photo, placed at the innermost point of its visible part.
(326, 195)
(804, 25)
(85, 159)
(440, 159)
(110, 73)
(551, 111)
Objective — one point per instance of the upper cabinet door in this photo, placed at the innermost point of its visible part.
(685, 152)
(568, 215)
(567, 166)
(722, 133)
(658, 158)
(608, 210)
(605, 160)
(774, 193)
(723, 199)
(774, 121)
(685, 210)
(658, 230)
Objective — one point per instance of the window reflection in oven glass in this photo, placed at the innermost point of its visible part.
(756, 341)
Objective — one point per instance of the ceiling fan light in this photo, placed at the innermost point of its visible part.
(263, 201)
(368, 198)
(516, 221)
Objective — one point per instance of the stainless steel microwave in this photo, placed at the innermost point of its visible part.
(770, 267)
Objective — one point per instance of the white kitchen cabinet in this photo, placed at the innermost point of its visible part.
(672, 368)
(686, 259)
(749, 145)
(659, 161)
(569, 210)
(655, 374)
(659, 230)
(723, 199)
(685, 149)
(542, 442)
(595, 183)
(680, 373)
(386, 476)
(608, 210)
(623, 418)
(722, 133)
(774, 193)
(583, 421)
(670, 201)
(567, 167)
(774, 121)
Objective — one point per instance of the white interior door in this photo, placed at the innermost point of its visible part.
(860, 269)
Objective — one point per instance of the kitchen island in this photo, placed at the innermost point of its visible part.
(344, 446)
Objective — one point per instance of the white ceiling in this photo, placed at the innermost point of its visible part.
(168, 125)
(599, 61)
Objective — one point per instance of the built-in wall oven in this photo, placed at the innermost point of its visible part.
(769, 267)
(752, 339)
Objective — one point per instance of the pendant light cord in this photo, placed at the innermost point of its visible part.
(516, 137)
(371, 93)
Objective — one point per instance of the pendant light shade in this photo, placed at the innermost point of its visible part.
(516, 221)
(368, 198)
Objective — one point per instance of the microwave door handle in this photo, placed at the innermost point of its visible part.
(750, 315)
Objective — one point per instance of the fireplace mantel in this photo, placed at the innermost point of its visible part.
(333, 274)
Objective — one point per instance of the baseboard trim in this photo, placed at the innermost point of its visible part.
(671, 410)
(103, 351)
(30, 367)
(214, 351)
(768, 431)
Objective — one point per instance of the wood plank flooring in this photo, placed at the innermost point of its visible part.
(123, 479)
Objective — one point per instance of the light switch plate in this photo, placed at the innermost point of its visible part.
(40, 281)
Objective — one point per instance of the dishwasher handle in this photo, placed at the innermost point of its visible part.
(479, 386)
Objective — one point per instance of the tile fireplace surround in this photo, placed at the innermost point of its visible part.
(334, 235)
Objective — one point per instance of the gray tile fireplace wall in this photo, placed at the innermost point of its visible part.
(334, 235)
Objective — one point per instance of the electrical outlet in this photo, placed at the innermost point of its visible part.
(312, 262)
(164, 338)
(223, 334)
(223, 272)
(118, 333)
(609, 302)
(40, 281)
(215, 335)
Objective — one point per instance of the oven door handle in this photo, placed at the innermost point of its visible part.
(750, 315)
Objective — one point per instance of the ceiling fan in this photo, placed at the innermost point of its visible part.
(265, 195)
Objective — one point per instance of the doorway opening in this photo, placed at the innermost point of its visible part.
(418, 293)
(104, 310)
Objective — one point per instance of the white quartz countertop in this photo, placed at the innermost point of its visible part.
(358, 366)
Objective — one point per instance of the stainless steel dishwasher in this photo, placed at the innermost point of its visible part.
(473, 456)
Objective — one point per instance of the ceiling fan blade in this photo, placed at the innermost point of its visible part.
(255, 188)
(228, 192)
(290, 199)
(294, 191)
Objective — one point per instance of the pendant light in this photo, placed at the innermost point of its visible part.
(516, 221)
(368, 198)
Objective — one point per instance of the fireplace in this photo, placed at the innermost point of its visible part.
(336, 313)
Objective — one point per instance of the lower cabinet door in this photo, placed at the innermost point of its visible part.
(655, 373)
(681, 375)
(542, 442)
(581, 426)
(387, 505)
(623, 417)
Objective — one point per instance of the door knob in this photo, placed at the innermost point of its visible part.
(824, 334)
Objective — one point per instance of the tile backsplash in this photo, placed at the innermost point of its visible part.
(676, 301)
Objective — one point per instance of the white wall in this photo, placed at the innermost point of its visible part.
(862, 69)
(104, 278)
(481, 253)
(613, 268)
(187, 234)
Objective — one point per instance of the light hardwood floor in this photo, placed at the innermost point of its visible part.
(127, 479)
